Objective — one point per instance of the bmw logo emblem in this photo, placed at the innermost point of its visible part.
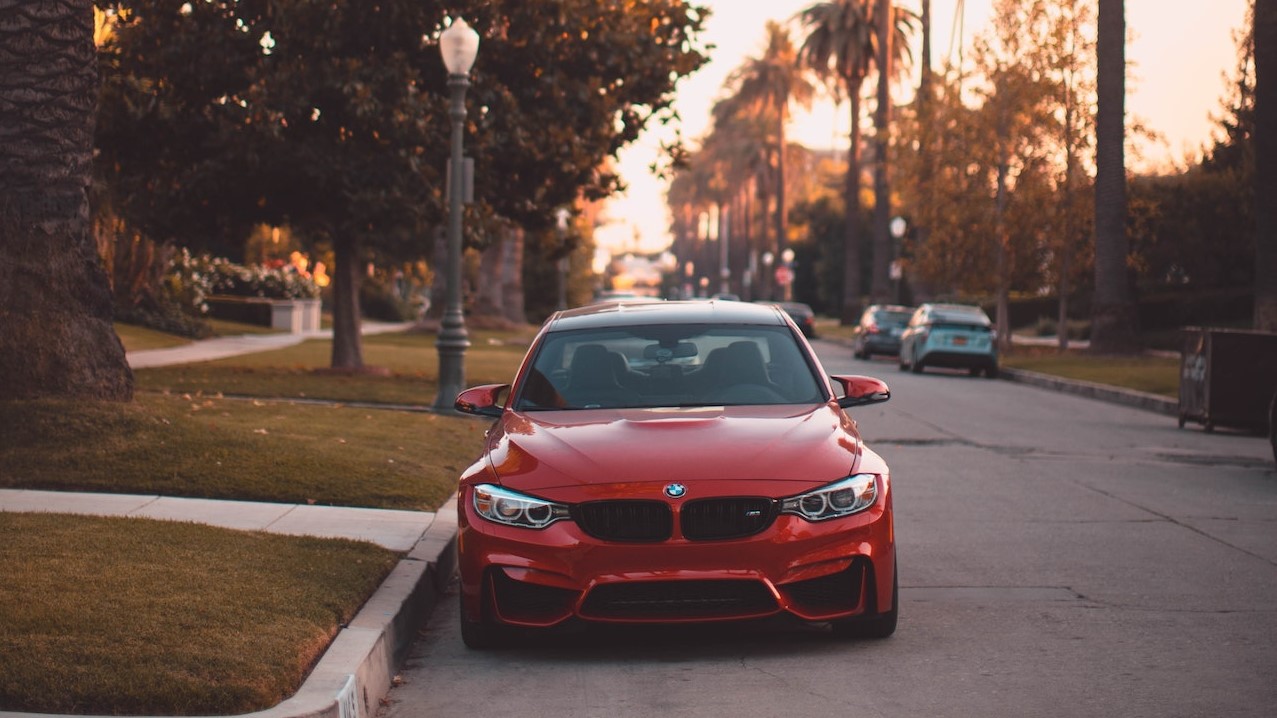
(675, 491)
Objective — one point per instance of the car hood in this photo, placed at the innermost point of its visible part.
(537, 451)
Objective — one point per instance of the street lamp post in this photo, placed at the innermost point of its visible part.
(787, 261)
(458, 44)
(768, 280)
(562, 217)
(898, 226)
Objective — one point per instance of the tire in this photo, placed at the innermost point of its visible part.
(974, 371)
(991, 371)
(481, 635)
(879, 625)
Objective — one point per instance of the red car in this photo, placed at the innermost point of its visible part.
(670, 462)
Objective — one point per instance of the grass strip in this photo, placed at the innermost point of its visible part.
(405, 370)
(119, 616)
(182, 437)
(1156, 375)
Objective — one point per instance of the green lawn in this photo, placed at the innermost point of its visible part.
(1152, 374)
(406, 370)
(106, 616)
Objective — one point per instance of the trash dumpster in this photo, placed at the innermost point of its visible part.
(1227, 378)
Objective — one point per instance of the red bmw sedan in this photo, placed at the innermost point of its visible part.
(669, 462)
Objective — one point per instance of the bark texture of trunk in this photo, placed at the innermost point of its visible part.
(347, 332)
(851, 286)
(1114, 320)
(56, 337)
(1266, 165)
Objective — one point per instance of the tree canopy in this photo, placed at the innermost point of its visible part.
(332, 117)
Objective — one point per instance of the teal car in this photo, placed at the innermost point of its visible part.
(950, 335)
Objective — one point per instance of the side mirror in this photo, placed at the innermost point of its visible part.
(481, 400)
(861, 390)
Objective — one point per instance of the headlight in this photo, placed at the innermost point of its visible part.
(507, 507)
(841, 498)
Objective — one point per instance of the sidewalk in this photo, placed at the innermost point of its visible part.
(221, 347)
(358, 668)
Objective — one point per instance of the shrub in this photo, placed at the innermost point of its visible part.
(208, 275)
(380, 299)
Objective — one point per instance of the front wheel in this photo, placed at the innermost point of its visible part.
(991, 371)
(880, 625)
(481, 635)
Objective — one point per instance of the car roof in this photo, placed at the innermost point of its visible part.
(788, 306)
(891, 308)
(638, 313)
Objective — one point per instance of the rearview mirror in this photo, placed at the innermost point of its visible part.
(662, 354)
(861, 390)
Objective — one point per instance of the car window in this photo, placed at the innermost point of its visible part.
(669, 366)
(891, 318)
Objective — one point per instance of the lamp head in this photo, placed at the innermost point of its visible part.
(898, 227)
(459, 45)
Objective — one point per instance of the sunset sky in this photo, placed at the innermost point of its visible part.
(1180, 51)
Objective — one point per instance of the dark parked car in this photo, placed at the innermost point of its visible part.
(879, 330)
(674, 462)
(802, 315)
(950, 335)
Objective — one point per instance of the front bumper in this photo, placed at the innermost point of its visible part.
(814, 571)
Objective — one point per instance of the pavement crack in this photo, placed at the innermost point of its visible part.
(1171, 519)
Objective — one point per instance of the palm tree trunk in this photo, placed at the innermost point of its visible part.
(769, 274)
(1265, 165)
(781, 216)
(1001, 235)
(851, 271)
(881, 288)
(488, 297)
(1114, 321)
(512, 277)
(1067, 233)
(56, 337)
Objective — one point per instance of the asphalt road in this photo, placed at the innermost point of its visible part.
(1059, 556)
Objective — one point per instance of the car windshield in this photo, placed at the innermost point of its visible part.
(676, 365)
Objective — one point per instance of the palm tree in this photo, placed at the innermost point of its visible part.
(741, 141)
(1113, 316)
(840, 48)
(772, 83)
(56, 337)
(1265, 165)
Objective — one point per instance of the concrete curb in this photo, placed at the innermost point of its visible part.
(358, 669)
(1127, 397)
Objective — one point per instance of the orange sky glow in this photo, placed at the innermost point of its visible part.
(1180, 51)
